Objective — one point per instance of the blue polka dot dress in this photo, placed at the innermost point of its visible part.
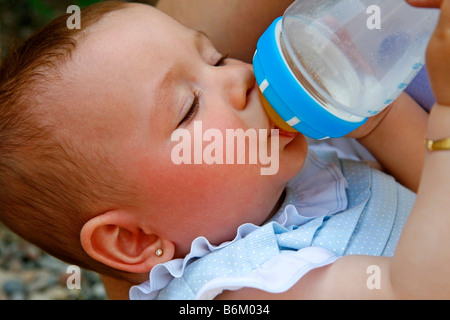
(334, 207)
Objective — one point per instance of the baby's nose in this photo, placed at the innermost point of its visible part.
(241, 82)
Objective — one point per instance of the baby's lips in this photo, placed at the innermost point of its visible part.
(284, 137)
(275, 130)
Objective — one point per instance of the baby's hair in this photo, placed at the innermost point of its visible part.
(48, 187)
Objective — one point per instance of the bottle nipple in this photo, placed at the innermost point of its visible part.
(274, 116)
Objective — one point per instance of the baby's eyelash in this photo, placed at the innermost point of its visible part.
(222, 59)
(192, 110)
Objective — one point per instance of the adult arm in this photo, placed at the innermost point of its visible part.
(396, 140)
(234, 26)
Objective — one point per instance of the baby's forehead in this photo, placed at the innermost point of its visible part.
(119, 31)
(124, 57)
(134, 17)
(126, 38)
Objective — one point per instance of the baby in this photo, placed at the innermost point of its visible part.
(88, 119)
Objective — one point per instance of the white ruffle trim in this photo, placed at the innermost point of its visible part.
(276, 275)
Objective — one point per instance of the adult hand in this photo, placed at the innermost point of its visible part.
(425, 3)
(438, 53)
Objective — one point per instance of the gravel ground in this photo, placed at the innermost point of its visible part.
(28, 273)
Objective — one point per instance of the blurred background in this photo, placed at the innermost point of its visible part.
(25, 271)
(20, 18)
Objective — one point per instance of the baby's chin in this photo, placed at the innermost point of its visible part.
(293, 155)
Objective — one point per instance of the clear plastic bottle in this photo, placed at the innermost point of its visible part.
(325, 66)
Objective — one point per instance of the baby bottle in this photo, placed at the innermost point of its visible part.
(326, 66)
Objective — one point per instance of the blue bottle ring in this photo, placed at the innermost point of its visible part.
(288, 97)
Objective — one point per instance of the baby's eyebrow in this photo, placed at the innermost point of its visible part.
(164, 90)
(200, 35)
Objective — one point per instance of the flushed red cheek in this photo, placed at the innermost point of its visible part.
(175, 184)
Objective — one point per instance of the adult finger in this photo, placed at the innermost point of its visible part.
(426, 3)
(438, 56)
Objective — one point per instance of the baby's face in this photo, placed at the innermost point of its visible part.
(137, 78)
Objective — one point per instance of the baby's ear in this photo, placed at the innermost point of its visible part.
(114, 239)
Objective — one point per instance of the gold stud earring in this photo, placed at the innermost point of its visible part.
(159, 252)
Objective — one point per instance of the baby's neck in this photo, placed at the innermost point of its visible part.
(116, 289)
(276, 207)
